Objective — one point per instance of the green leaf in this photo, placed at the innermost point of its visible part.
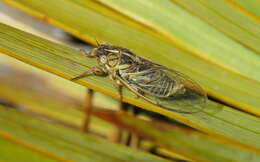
(66, 62)
(187, 142)
(229, 20)
(9, 149)
(62, 143)
(250, 5)
(48, 102)
(205, 42)
(226, 86)
(39, 97)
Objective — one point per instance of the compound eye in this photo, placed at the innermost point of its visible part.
(103, 59)
(112, 59)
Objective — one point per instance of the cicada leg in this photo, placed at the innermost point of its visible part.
(120, 90)
(140, 92)
(93, 71)
(91, 53)
(147, 99)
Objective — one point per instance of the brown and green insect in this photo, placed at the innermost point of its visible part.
(154, 83)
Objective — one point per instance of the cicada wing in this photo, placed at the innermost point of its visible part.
(159, 85)
(190, 98)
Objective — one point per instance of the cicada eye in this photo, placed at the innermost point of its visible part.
(112, 59)
(103, 59)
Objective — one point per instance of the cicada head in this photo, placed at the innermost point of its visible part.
(105, 49)
(100, 51)
(108, 54)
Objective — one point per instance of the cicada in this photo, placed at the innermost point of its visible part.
(153, 82)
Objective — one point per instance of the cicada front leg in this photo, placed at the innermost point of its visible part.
(91, 53)
(93, 71)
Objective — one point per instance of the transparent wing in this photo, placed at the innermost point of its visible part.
(191, 98)
(166, 88)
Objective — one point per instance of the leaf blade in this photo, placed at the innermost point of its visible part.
(67, 144)
(206, 42)
(239, 94)
(64, 62)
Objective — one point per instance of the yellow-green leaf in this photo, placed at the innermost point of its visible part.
(66, 62)
(40, 97)
(48, 102)
(62, 143)
(229, 20)
(206, 41)
(250, 5)
(187, 142)
(87, 24)
(9, 149)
